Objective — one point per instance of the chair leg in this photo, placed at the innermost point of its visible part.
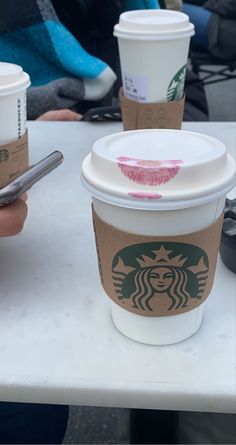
(195, 67)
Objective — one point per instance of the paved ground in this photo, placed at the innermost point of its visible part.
(90, 425)
(221, 99)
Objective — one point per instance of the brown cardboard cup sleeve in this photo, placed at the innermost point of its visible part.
(14, 159)
(136, 115)
(157, 276)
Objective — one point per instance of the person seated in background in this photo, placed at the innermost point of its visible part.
(71, 55)
(215, 26)
(92, 23)
(64, 73)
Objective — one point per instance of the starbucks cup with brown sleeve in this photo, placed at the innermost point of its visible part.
(153, 49)
(157, 201)
(13, 131)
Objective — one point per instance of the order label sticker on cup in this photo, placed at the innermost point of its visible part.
(157, 276)
(135, 87)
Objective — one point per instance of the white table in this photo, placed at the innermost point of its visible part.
(57, 341)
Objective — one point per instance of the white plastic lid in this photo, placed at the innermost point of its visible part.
(158, 169)
(12, 78)
(154, 24)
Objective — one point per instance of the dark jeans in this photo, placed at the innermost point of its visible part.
(27, 423)
(153, 426)
(200, 17)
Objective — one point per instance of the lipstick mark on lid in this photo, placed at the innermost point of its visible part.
(149, 172)
(141, 195)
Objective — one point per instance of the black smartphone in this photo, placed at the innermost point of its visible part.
(102, 114)
(25, 181)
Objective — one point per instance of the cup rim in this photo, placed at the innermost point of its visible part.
(161, 205)
(173, 30)
(98, 170)
(18, 80)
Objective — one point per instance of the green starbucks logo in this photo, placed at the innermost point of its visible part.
(4, 155)
(176, 86)
(151, 274)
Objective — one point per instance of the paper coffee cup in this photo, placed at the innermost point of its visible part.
(13, 135)
(158, 198)
(153, 49)
(13, 84)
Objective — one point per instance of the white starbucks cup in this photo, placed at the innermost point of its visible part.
(153, 49)
(13, 84)
(13, 130)
(160, 195)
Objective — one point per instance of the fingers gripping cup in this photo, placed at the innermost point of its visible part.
(158, 199)
(153, 48)
(13, 132)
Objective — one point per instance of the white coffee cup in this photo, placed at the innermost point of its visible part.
(153, 48)
(141, 198)
(13, 84)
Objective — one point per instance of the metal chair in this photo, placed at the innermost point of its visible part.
(214, 69)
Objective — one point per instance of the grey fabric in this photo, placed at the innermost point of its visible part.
(225, 8)
(56, 95)
(222, 37)
(47, 10)
(222, 28)
(176, 5)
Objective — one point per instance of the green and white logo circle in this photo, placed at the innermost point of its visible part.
(146, 273)
(4, 155)
(176, 86)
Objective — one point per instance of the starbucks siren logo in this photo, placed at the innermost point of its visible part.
(176, 86)
(4, 155)
(146, 274)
